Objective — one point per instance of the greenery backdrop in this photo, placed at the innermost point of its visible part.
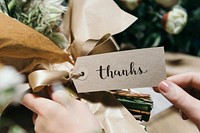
(148, 30)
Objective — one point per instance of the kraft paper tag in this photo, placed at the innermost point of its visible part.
(120, 70)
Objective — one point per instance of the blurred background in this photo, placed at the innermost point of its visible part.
(173, 24)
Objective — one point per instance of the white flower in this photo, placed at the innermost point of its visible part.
(131, 4)
(52, 10)
(167, 3)
(175, 20)
(9, 78)
(45, 16)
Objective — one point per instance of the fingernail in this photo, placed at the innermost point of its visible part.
(184, 116)
(165, 86)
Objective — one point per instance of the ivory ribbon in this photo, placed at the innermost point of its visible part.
(41, 78)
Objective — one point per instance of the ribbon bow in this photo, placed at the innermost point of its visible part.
(41, 78)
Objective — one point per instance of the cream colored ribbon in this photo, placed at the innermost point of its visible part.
(41, 78)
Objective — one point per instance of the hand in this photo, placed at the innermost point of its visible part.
(181, 91)
(61, 114)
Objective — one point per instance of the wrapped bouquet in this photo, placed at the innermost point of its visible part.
(49, 35)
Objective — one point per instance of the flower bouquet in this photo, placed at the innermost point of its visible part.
(49, 35)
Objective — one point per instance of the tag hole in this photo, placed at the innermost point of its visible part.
(82, 73)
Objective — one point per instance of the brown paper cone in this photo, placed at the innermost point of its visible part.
(24, 47)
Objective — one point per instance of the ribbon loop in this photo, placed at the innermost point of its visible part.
(41, 78)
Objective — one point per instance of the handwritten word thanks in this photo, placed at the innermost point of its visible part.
(105, 73)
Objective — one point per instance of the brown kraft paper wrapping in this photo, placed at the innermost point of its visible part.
(111, 113)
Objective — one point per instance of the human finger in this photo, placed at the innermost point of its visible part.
(28, 101)
(36, 104)
(185, 80)
(181, 99)
(59, 94)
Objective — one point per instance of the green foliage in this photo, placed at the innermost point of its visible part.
(148, 30)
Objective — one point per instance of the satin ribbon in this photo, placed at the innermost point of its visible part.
(41, 78)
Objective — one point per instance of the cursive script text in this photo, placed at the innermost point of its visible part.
(107, 72)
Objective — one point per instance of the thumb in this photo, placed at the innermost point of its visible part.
(181, 99)
(60, 95)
